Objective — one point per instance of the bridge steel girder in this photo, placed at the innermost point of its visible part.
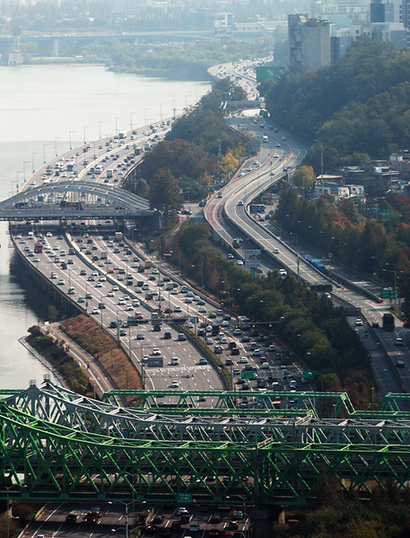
(64, 407)
(86, 196)
(42, 461)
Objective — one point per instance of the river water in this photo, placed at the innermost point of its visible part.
(41, 109)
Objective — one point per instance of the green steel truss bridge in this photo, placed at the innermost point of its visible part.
(58, 445)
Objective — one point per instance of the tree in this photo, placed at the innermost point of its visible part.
(304, 177)
(164, 194)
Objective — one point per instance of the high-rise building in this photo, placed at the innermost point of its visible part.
(381, 11)
(309, 43)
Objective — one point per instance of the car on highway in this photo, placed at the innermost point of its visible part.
(95, 311)
(61, 282)
(174, 384)
(71, 518)
(181, 337)
(398, 341)
(400, 364)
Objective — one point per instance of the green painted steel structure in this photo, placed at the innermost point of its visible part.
(58, 445)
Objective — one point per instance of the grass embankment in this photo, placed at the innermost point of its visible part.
(56, 354)
(105, 350)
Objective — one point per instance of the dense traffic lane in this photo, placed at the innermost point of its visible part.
(108, 290)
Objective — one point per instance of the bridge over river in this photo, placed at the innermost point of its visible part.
(74, 200)
(58, 445)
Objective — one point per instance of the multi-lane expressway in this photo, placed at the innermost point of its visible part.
(228, 214)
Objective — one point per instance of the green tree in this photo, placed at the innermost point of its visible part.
(164, 192)
(304, 177)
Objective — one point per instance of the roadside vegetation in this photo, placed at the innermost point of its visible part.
(56, 354)
(308, 323)
(199, 153)
(356, 109)
(338, 515)
(104, 349)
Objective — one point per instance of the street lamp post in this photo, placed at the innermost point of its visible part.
(395, 282)
(84, 128)
(24, 169)
(44, 151)
(99, 128)
(160, 109)
(131, 115)
(32, 159)
(116, 125)
(69, 138)
(55, 143)
(145, 116)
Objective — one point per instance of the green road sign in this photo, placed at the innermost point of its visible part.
(184, 498)
(387, 293)
(268, 72)
(248, 374)
(211, 189)
(309, 374)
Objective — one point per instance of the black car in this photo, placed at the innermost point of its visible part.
(150, 529)
(71, 517)
(158, 519)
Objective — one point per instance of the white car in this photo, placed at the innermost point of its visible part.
(174, 384)
(95, 311)
(156, 351)
(239, 262)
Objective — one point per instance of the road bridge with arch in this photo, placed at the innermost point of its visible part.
(74, 200)
(58, 445)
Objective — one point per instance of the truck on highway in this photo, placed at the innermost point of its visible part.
(148, 264)
(118, 237)
(388, 321)
(153, 361)
(109, 173)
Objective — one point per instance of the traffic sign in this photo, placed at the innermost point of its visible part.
(387, 293)
(247, 374)
(234, 513)
(184, 498)
(309, 374)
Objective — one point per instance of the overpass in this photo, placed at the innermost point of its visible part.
(58, 445)
(74, 200)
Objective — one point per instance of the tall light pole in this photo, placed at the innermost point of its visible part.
(32, 159)
(84, 128)
(99, 128)
(44, 151)
(173, 107)
(55, 143)
(160, 109)
(24, 169)
(116, 125)
(17, 175)
(69, 137)
(145, 116)
(131, 115)
(395, 282)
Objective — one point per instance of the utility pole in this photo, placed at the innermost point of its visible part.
(321, 169)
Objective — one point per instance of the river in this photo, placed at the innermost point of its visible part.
(42, 109)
